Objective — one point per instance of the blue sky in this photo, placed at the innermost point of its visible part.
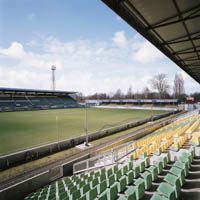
(93, 49)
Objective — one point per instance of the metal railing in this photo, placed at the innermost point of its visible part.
(106, 158)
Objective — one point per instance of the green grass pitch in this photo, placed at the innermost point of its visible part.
(22, 130)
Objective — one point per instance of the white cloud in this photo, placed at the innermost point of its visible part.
(119, 39)
(146, 52)
(85, 66)
(16, 50)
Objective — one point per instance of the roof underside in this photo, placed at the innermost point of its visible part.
(172, 26)
(33, 91)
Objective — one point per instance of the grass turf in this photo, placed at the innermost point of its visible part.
(22, 130)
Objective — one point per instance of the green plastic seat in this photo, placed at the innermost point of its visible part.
(157, 197)
(73, 189)
(115, 168)
(129, 177)
(102, 171)
(185, 160)
(67, 180)
(188, 155)
(147, 162)
(157, 152)
(94, 183)
(44, 195)
(136, 171)
(83, 197)
(130, 193)
(193, 153)
(85, 189)
(130, 166)
(109, 172)
(92, 194)
(77, 181)
(102, 178)
(63, 196)
(118, 175)
(101, 187)
(131, 157)
(61, 190)
(183, 166)
(121, 185)
(122, 198)
(164, 161)
(110, 180)
(174, 181)
(76, 195)
(168, 157)
(124, 170)
(60, 183)
(69, 186)
(142, 166)
(74, 177)
(154, 172)
(179, 173)
(51, 196)
(81, 184)
(167, 190)
(139, 188)
(97, 174)
(158, 164)
(89, 179)
(112, 193)
(103, 196)
(147, 179)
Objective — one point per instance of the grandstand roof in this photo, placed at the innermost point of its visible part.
(172, 26)
(34, 91)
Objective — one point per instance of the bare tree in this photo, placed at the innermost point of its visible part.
(179, 89)
(118, 94)
(160, 84)
(146, 93)
(129, 94)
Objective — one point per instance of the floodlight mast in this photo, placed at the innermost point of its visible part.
(86, 123)
(53, 79)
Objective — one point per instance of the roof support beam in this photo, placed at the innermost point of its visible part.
(183, 50)
(180, 41)
(186, 28)
(195, 9)
(173, 22)
(193, 58)
(197, 34)
(186, 52)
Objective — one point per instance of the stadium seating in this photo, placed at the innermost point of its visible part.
(23, 102)
(130, 180)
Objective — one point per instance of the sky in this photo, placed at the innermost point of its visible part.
(93, 49)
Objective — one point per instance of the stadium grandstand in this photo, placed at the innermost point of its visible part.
(14, 99)
(156, 104)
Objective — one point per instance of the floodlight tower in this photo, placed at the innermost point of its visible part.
(53, 80)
